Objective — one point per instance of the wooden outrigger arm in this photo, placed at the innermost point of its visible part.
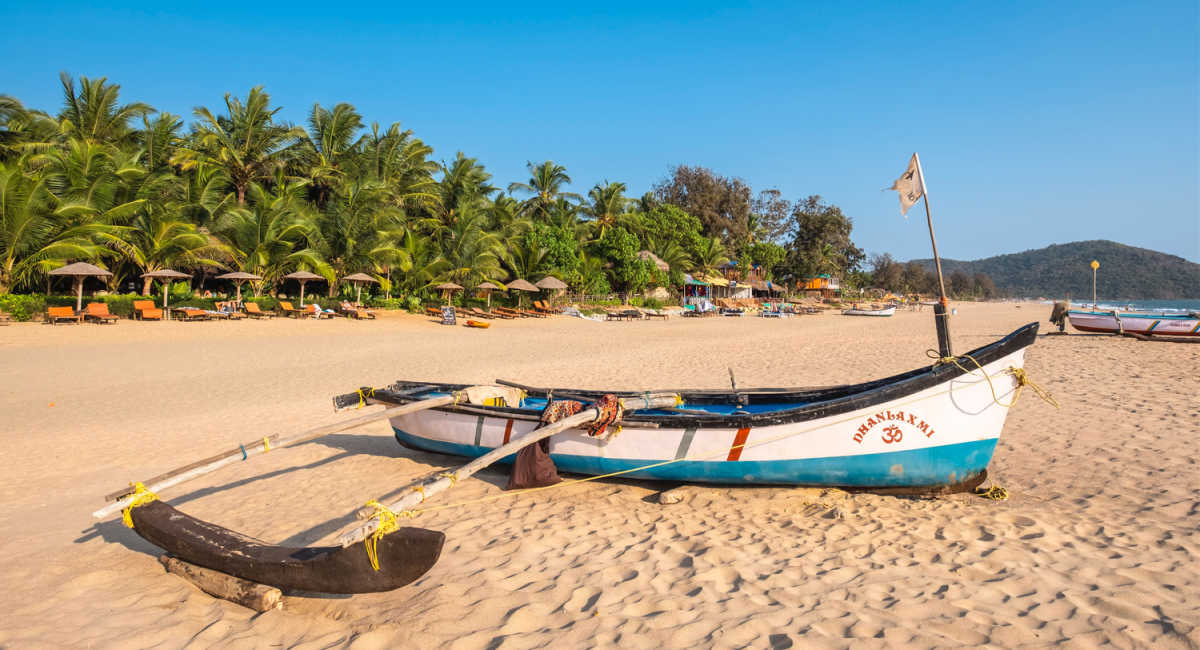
(421, 491)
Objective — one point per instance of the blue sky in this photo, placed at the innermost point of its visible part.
(1037, 123)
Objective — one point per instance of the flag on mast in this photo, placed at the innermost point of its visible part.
(910, 185)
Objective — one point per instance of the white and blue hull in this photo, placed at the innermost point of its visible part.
(941, 435)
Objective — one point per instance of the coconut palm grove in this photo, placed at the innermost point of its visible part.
(232, 188)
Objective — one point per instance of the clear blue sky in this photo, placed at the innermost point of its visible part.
(1037, 123)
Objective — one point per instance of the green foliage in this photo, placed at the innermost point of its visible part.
(556, 250)
(22, 307)
(627, 271)
(768, 255)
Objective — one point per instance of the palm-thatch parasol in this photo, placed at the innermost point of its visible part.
(358, 279)
(79, 271)
(238, 278)
(521, 285)
(551, 283)
(302, 277)
(658, 261)
(447, 288)
(487, 288)
(166, 275)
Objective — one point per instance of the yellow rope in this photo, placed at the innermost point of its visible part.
(141, 496)
(362, 396)
(453, 476)
(995, 492)
(266, 444)
(1018, 374)
(387, 524)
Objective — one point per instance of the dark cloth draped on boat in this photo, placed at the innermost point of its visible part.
(1058, 316)
(533, 466)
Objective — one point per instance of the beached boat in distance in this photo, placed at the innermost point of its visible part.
(929, 430)
(1115, 322)
(886, 311)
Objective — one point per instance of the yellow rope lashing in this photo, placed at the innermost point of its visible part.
(141, 496)
(363, 395)
(387, 524)
(994, 492)
(1019, 374)
(266, 444)
(453, 476)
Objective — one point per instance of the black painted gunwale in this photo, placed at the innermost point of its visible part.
(824, 402)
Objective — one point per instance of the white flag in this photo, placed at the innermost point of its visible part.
(910, 185)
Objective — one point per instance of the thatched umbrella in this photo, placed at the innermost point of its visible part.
(238, 278)
(521, 285)
(658, 261)
(302, 277)
(79, 271)
(166, 275)
(487, 288)
(358, 279)
(551, 283)
(447, 288)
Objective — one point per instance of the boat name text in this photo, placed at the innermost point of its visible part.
(892, 433)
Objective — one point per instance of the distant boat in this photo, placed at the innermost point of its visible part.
(1114, 322)
(887, 311)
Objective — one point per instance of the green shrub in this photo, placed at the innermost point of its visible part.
(22, 307)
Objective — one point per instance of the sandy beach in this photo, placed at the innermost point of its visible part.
(1097, 545)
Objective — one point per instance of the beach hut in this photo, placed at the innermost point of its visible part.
(238, 277)
(302, 277)
(487, 288)
(521, 285)
(656, 260)
(358, 279)
(79, 271)
(695, 291)
(166, 275)
(448, 288)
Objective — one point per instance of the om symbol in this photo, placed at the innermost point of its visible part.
(892, 433)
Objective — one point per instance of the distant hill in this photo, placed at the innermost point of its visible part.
(1126, 273)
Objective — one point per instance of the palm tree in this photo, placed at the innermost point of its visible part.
(154, 241)
(464, 185)
(709, 256)
(546, 182)
(402, 162)
(23, 130)
(471, 253)
(93, 113)
(359, 231)
(608, 202)
(246, 142)
(329, 147)
(37, 231)
(422, 263)
(270, 237)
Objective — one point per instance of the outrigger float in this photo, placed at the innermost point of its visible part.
(931, 430)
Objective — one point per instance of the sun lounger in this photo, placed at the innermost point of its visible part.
(287, 309)
(475, 311)
(649, 313)
(55, 315)
(252, 310)
(189, 313)
(98, 311)
(511, 313)
(145, 310)
(5, 318)
(230, 311)
(353, 311)
(434, 312)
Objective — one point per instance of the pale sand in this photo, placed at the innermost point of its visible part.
(1097, 544)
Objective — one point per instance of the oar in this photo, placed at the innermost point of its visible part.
(423, 490)
(260, 446)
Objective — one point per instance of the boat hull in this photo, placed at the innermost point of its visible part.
(1144, 324)
(926, 430)
(869, 312)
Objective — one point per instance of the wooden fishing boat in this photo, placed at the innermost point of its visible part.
(1115, 322)
(886, 311)
(928, 430)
